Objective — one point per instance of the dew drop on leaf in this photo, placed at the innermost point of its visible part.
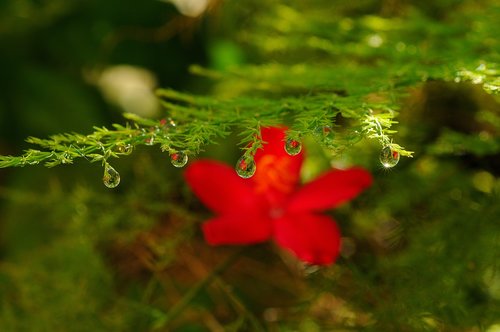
(389, 157)
(326, 134)
(245, 167)
(66, 158)
(292, 147)
(111, 177)
(150, 140)
(167, 123)
(124, 148)
(179, 159)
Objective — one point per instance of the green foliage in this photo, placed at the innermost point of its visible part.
(362, 65)
(421, 247)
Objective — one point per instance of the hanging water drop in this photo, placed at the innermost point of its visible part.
(245, 167)
(326, 134)
(389, 157)
(66, 158)
(111, 177)
(124, 148)
(167, 123)
(150, 140)
(293, 147)
(179, 159)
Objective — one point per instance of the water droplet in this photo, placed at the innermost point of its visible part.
(389, 157)
(111, 177)
(293, 147)
(179, 159)
(150, 140)
(124, 148)
(168, 123)
(326, 134)
(245, 167)
(66, 158)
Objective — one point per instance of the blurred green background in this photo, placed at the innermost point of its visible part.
(422, 245)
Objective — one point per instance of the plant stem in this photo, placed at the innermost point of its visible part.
(177, 308)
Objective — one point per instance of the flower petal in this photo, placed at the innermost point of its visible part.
(314, 239)
(237, 229)
(277, 172)
(330, 189)
(220, 188)
(274, 138)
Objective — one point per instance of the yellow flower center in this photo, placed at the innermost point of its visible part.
(273, 174)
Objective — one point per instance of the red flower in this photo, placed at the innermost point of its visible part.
(271, 205)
